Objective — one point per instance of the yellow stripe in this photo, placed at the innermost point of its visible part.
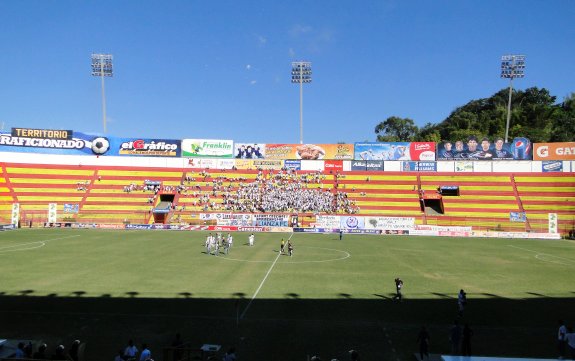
(549, 207)
(404, 178)
(545, 189)
(117, 199)
(137, 173)
(71, 172)
(566, 179)
(90, 207)
(44, 181)
(46, 190)
(460, 178)
(544, 197)
(49, 199)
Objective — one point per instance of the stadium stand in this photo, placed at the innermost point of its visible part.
(143, 195)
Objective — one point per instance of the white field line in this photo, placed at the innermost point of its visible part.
(537, 254)
(16, 247)
(262, 283)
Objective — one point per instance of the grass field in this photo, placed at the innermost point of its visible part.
(105, 287)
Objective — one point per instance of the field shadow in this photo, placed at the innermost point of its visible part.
(503, 326)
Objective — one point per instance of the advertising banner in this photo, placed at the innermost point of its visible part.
(292, 164)
(374, 165)
(389, 223)
(144, 147)
(271, 220)
(485, 149)
(309, 151)
(422, 150)
(351, 222)
(268, 164)
(71, 208)
(552, 166)
(464, 166)
(333, 165)
(52, 212)
(50, 141)
(419, 166)
(249, 151)
(554, 151)
(327, 221)
(228, 219)
(517, 217)
(553, 222)
(359, 165)
(208, 148)
(15, 214)
(382, 151)
(475, 149)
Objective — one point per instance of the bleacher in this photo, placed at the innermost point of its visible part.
(544, 193)
(485, 199)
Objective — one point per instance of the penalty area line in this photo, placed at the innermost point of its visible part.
(262, 283)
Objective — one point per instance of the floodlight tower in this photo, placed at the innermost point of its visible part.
(301, 73)
(102, 67)
(512, 66)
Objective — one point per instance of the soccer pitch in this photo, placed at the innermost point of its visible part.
(105, 287)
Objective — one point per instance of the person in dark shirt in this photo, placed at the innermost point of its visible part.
(398, 287)
(501, 152)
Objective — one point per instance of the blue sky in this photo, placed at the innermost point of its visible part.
(221, 69)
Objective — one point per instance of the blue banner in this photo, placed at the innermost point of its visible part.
(292, 164)
(419, 166)
(552, 166)
(382, 151)
(517, 217)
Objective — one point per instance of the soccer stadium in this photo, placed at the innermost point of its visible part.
(314, 180)
(200, 248)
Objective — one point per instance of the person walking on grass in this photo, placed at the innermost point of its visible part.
(423, 342)
(290, 248)
(398, 286)
(282, 246)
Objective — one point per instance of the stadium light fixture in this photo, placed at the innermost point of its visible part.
(512, 66)
(301, 74)
(102, 67)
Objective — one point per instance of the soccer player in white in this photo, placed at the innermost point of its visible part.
(251, 239)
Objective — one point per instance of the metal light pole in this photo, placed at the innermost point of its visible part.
(102, 67)
(301, 73)
(512, 66)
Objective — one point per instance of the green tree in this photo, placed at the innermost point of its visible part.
(395, 129)
(563, 129)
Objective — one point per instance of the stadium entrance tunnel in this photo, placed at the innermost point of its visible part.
(432, 206)
(163, 208)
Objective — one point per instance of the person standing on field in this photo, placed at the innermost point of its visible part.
(282, 246)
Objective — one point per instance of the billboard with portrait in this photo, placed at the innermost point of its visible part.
(485, 149)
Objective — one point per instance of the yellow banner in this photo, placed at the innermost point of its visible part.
(309, 151)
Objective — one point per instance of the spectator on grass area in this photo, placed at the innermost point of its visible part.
(423, 341)
(561, 339)
(131, 351)
(354, 355)
(178, 344)
(398, 286)
(19, 351)
(461, 301)
(146, 353)
(466, 343)
(119, 356)
(230, 355)
(73, 353)
(59, 353)
(455, 338)
(571, 341)
(41, 353)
